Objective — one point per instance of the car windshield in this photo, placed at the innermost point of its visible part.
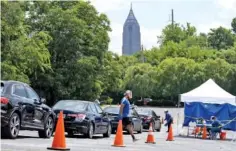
(144, 112)
(70, 105)
(112, 110)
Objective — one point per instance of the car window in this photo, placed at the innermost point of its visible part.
(19, 90)
(70, 105)
(112, 110)
(133, 113)
(92, 108)
(98, 108)
(32, 94)
(144, 112)
(154, 114)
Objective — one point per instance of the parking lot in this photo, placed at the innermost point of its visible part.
(29, 141)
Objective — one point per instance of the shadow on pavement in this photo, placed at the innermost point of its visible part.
(199, 138)
(84, 137)
(21, 137)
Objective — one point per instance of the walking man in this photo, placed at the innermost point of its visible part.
(125, 112)
(168, 119)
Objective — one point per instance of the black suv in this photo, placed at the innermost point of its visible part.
(22, 109)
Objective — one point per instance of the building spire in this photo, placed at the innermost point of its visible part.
(131, 6)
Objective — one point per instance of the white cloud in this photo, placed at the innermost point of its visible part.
(227, 4)
(226, 11)
(107, 5)
(148, 37)
(116, 38)
(205, 28)
(227, 8)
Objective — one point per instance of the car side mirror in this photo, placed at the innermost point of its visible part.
(42, 100)
(104, 114)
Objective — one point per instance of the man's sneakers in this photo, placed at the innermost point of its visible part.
(135, 140)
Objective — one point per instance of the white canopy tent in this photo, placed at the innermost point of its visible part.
(208, 92)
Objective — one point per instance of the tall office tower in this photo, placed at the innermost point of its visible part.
(131, 35)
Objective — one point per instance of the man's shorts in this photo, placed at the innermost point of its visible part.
(126, 121)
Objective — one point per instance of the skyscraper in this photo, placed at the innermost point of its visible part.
(131, 35)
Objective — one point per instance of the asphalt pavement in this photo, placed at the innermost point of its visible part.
(29, 141)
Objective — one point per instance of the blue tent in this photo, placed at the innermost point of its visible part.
(207, 100)
(224, 113)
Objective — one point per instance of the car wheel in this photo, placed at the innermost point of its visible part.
(108, 133)
(48, 128)
(113, 131)
(141, 129)
(90, 131)
(12, 130)
(70, 133)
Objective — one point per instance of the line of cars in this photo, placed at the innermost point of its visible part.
(23, 109)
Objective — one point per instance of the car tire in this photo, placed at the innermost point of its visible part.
(70, 133)
(90, 131)
(141, 129)
(12, 130)
(108, 133)
(113, 131)
(48, 128)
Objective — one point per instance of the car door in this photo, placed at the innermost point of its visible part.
(105, 119)
(155, 118)
(97, 118)
(20, 95)
(136, 119)
(38, 120)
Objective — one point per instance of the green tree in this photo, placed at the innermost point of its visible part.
(233, 25)
(111, 75)
(178, 75)
(80, 40)
(176, 33)
(140, 78)
(220, 38)
(22, 53)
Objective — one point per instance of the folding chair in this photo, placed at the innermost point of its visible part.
(234, 137)
(191, 127)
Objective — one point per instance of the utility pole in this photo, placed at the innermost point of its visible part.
(172, 17)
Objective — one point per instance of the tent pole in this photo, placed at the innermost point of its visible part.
(178, 115)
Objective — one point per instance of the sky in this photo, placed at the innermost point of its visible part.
(154, 15)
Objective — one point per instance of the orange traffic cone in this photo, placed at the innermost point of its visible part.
(59, 142)
(118, 142)
(150, 137)
(204, 134)
(170, 134)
